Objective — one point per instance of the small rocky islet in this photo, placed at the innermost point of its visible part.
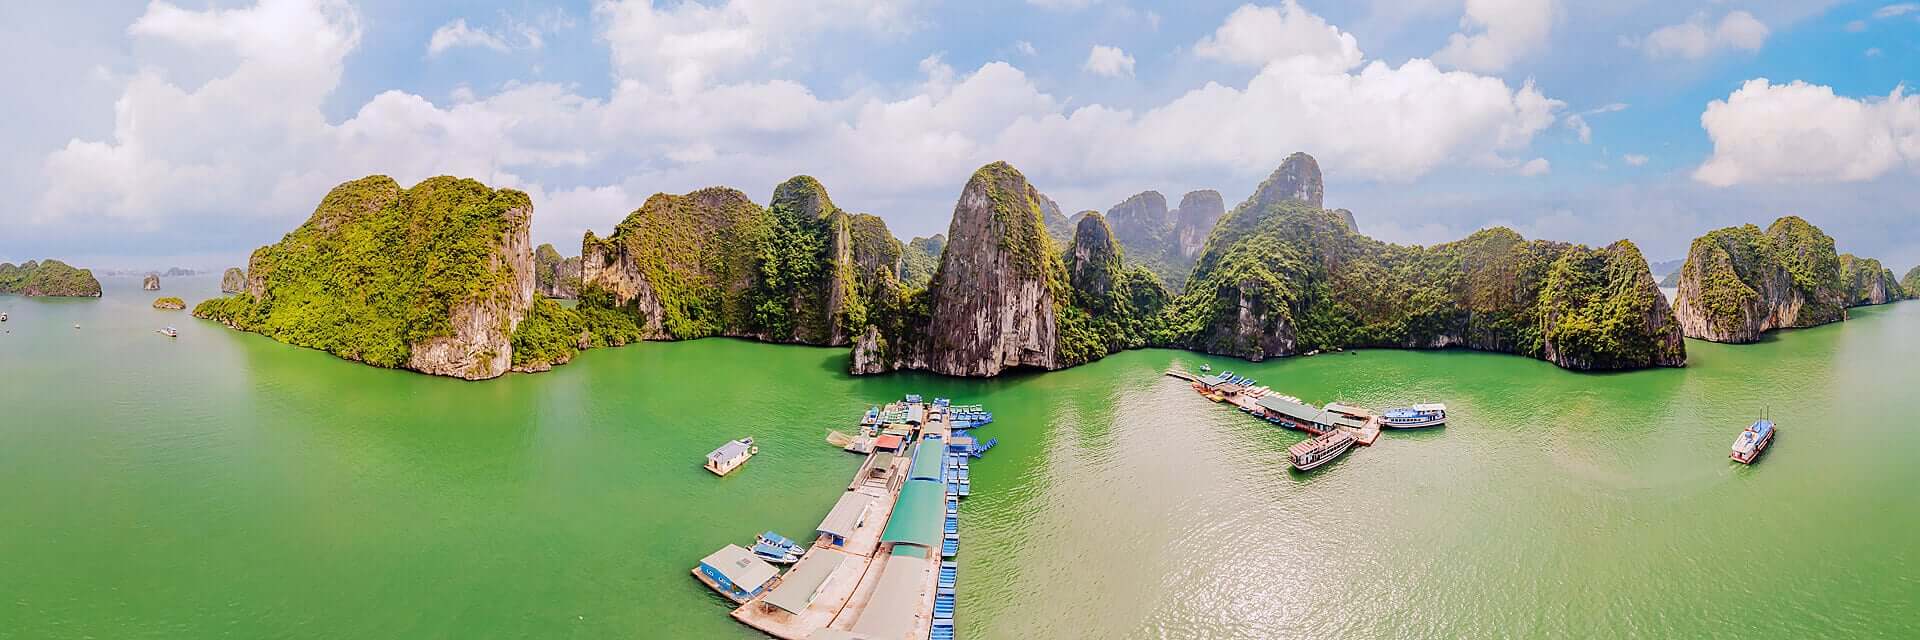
(1741, 282)
(1012, 284)
(169, 303)
(47, 278)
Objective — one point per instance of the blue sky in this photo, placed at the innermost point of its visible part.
(143, 134)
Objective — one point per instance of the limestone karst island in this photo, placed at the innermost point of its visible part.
(903, 320)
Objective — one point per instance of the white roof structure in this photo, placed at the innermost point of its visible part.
(741, 567)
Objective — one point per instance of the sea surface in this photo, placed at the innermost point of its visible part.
(222, 485)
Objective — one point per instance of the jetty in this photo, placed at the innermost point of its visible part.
(1287, 411)
(881, 564)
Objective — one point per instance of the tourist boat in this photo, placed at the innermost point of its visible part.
(3, 316)
(1204, 367)
(776, 554)
(1414, 417)
(1752, 441)
(1309, 455)
(730, 456)
(775, 539)
(168, 332)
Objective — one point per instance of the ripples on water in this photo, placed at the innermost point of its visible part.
(223, 484)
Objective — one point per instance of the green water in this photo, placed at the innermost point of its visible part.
(223, 485)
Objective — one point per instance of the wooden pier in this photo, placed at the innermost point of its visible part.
(869, 590)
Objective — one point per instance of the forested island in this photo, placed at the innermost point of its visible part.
(1740, 282)
(441, 278)
(47, 278)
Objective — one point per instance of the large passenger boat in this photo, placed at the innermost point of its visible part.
(1309, 455)
(1414, 417)
(1752, 441)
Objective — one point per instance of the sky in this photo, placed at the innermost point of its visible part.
(189, 132)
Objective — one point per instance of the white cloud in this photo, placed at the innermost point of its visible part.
(1697, 37)
(458, 34)
(1896, 10)
(692, 44)
(1578, 124)
(1874, 52)
(1109, 61)
(1535, 167)
(1025, 48)
(1495, 33)
(515, 33)
(1799, 132)
(1063, 4)
(1634, 160)
(1857, 26)
(256, 140)
(1257, 36)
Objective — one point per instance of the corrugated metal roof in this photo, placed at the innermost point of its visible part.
(895, 605)
(796, 590)
(1289, 408)
(928, 459)
(741, 567)
(846, 514)
(918, 515)
(730, 450)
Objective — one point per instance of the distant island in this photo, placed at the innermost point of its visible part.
(151, 282)
(233, 281)
(1012, 283)
(169, 303)
(47, 278)
(1741, 282)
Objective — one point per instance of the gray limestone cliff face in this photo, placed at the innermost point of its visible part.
(992, 305)
(1740, 282)
(151, 282)
(233, 280)
(482, 342)
(1194, 219)
(1297, 178)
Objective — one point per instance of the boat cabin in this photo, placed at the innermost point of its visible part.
(730, 456)
(735, 573)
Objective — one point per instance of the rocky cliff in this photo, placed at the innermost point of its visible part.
(1282, 276)
(151, 282)
(714, 263)
(1740, 282)
(435, 278)
(169, 304)
(233, 280)
(920, 259)
(555, 276)
(1115, 306)
(47, 278)
(991, 305)
(1193, 220)
(1868, 282)
(1910, 283)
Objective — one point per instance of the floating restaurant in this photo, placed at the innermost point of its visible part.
(881, 564)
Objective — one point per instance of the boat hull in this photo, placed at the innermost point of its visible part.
(1438, 422)
(1321, 461)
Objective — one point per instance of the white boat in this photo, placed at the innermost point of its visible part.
(1310, 455)
(776, 554)
(1204, 367)
(730, 456)
(1752, 441)
(1414, 417)
(3, 316)
(168, 332)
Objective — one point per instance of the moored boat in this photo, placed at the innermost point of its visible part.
(775, 554)
(1309, 455)
(1752, 441)
(1414, 417)
(731, 455)
(1204, 367)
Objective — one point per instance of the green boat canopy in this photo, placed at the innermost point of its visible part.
(918, 515)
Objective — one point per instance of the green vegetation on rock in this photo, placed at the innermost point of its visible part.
(1280, 276)
(1739, 282)
(47, 278)
(169, 303)
(921, 259)
(1910, 283)
(378, 270)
